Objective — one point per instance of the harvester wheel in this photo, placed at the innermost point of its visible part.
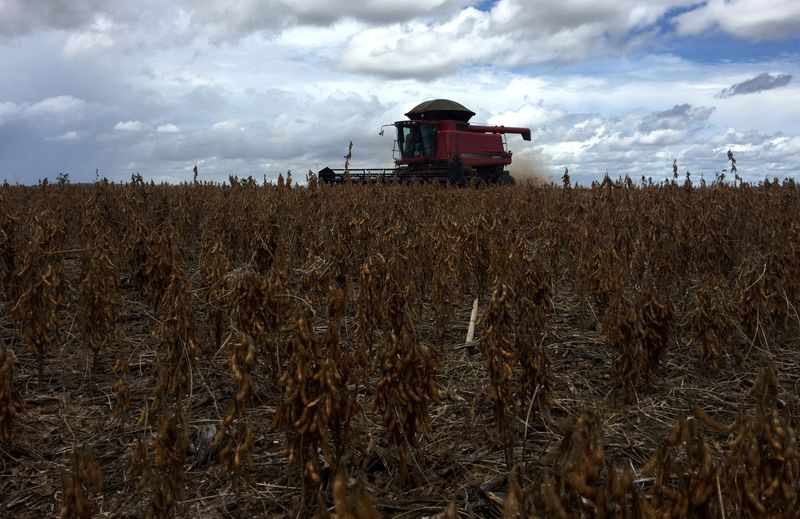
(506, 179)
(476, 182)
(456, 177)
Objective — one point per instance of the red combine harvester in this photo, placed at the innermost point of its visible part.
(438, 144)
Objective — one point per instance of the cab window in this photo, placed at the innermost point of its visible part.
(417, 140)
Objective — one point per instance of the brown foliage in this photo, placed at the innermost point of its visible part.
(351, 294)
(238, 452)
(85, 473)
(40, 276)
(99, 294)
(406, 385)
(11, 405)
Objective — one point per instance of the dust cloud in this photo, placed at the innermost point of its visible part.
(529, 168)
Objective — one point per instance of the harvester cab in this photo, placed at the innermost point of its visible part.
(415, 139)
(437, 143)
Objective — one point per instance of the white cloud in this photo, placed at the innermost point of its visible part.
(226, 126)
(661, 137)
(421, 50)
(97, 37)
(9, 111)
(750, 19)
(412, 38)
(82, 42)
(529, 115)
(52, 109)
(167, 128)
(58, 106)
(311, 36)
(69, 136)
(512, 32)
(128, 126)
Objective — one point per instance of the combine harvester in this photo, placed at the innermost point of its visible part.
(438, 144)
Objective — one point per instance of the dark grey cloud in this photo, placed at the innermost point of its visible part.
(282, 126)
(207, 98)
(19, 17)
(161, 136)
(759, 83)
(141, 24)
(373, 12)
(679, 117)
(152, 22)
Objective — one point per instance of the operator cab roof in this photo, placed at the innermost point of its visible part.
(437, 109)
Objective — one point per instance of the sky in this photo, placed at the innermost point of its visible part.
(107, 88)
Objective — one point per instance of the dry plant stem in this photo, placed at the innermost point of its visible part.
(525, 433)
(513, 506)
(339, 368)
(472, 317)
(122, 406)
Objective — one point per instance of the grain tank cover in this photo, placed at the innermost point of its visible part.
(437, 109)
